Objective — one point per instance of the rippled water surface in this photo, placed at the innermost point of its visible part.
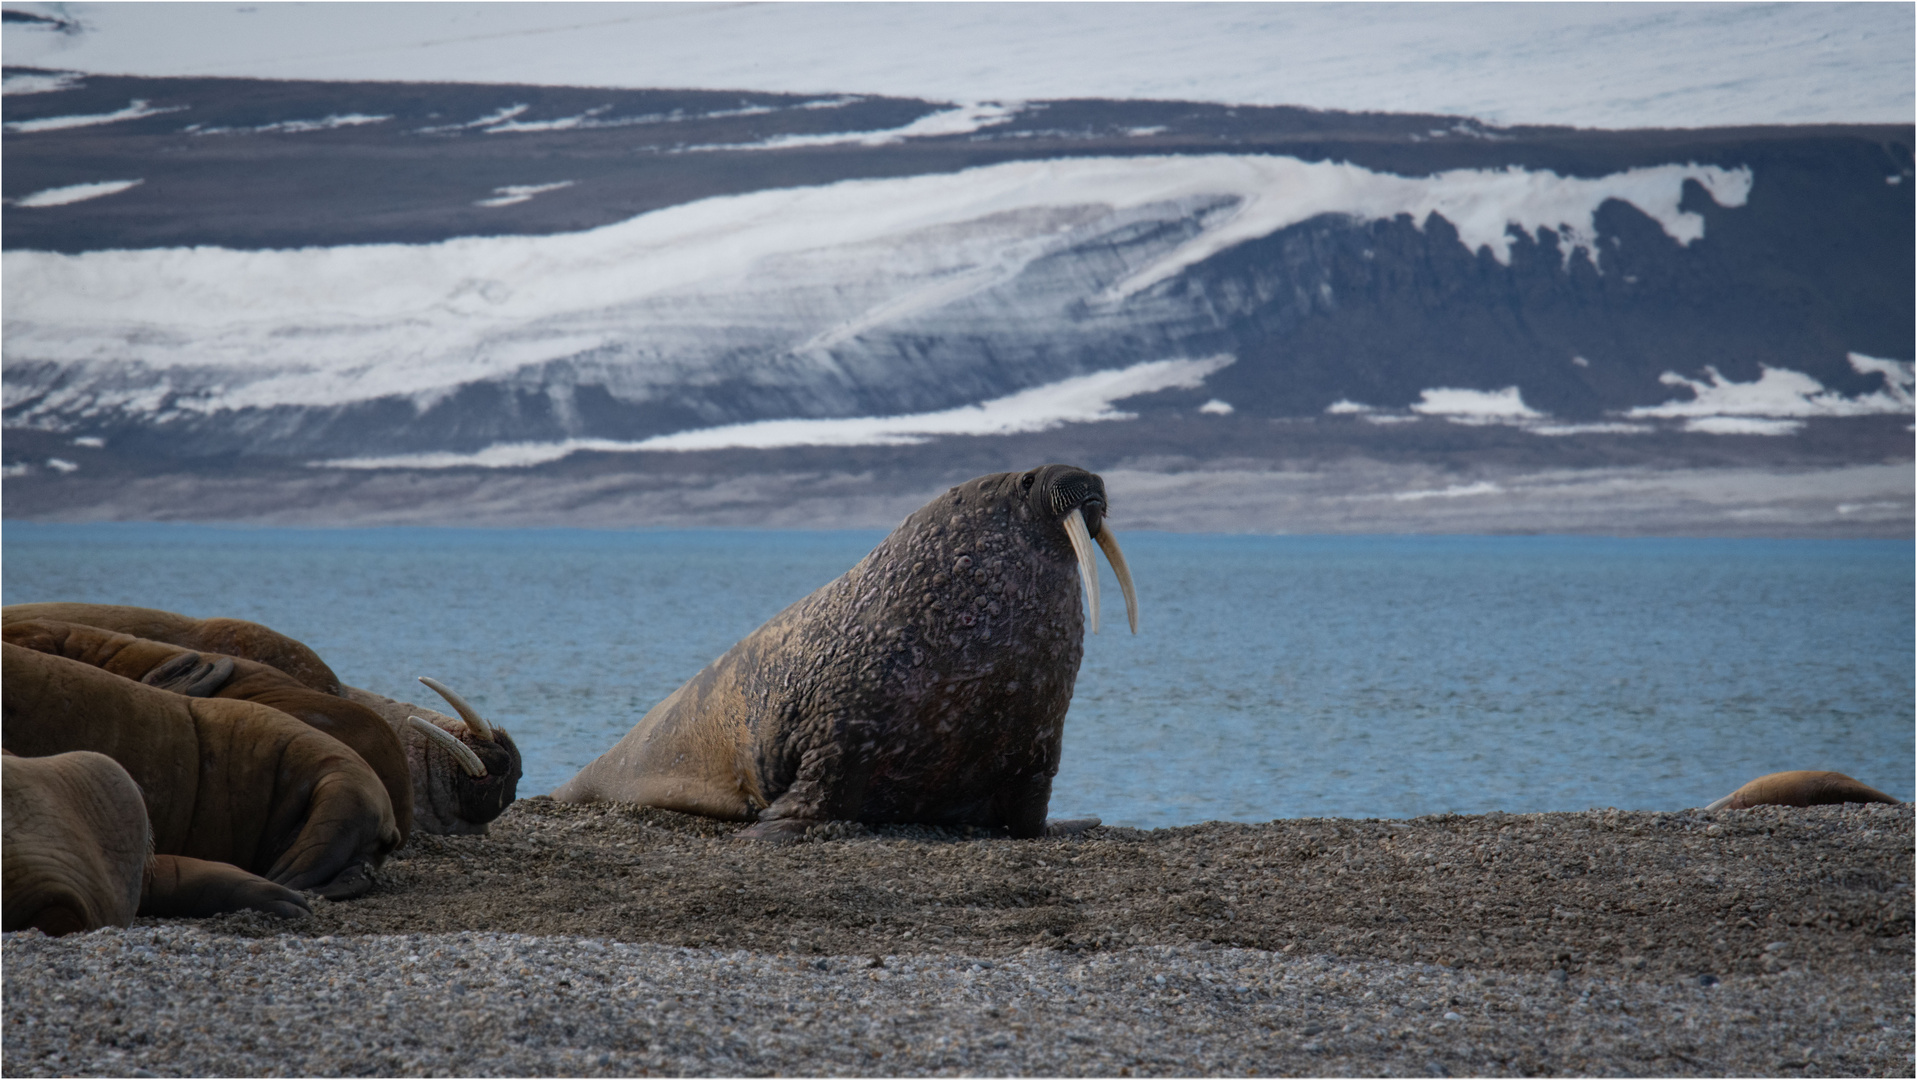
(1272, 677)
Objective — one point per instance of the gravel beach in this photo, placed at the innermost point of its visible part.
(618, 940)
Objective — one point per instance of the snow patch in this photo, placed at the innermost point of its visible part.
(73, 193)
(519, 193)
(61, 465)
(1084, 399)
(963, 120)
(1781, 392)
(1216, 407)
(40, 83)
(1741, 425)
(1606, 428)
(1487, 207)
(294, 127)
(587, 119)
(1475, 406)
(91, 442)
(135, 110)
(1455, 491)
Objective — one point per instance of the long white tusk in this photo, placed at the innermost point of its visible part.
(1087, 569)
(1117, 558)
(460, 751)
(478, 726)
(1721, 803)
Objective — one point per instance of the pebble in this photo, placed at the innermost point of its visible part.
(178, 1000)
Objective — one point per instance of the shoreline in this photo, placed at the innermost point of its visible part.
(625, 940)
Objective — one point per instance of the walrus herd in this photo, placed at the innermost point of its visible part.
(165, 765)
(258, 773)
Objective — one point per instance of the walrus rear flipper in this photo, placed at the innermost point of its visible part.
(342, 838)
(177, 887)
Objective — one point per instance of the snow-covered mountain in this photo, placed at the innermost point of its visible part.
(367, 276)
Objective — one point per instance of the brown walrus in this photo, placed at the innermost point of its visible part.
(1801, 787)
(928, 684)
(230, 637)
(185, 671)
(225, 781)
(75, 854)
(461, 774)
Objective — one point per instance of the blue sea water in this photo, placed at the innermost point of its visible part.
(1272, 677)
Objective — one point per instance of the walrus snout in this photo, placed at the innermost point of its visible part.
(1077, 499)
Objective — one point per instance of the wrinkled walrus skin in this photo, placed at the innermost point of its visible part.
(185, 671)
(224, 781)
(230, 637)
(928, 684)
(75, 854)
(1801, 787)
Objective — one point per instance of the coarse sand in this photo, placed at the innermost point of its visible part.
(619, 940)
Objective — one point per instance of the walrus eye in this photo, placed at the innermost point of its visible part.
(1025, 482)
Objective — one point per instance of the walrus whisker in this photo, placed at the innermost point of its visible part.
(1087, 569)
(1109, 544)
(462, 753)
(474, 722)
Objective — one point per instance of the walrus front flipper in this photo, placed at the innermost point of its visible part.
(778, 831)
(340, 841)
(177, 887)
(191, 674)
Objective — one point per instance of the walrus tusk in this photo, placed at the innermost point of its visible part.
(460, 751)
(1109, 543)
(1087, 569)
(1721, 803)
(474, 722)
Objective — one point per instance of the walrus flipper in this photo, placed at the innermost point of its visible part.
(191, 674)
(683, 755)
(829, 786)
(177, 887)
(338, 844)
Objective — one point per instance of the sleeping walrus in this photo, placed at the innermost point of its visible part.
(195, 674)
(1800, 787)
(225, 781)
(443, 775)
(75, 854)
(928, 684)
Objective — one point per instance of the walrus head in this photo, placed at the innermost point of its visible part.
(1075, 499)
(465, 772)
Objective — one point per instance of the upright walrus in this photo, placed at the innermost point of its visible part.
(928, 684)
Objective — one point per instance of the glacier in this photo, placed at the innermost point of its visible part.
(786, 304)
